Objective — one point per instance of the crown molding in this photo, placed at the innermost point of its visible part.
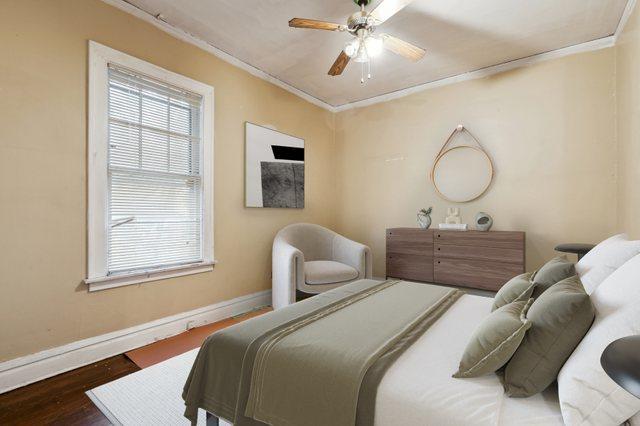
(624, 19)
(180, 34)
(589, 46)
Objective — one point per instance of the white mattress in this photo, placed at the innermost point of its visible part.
(418, 388)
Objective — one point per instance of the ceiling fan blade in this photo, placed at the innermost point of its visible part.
(316, 25)
(339, 65)
(402, 48)
(387, 9)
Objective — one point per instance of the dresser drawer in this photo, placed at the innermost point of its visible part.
(491, 254)
(508, 240)
(474, 273)
(410, 241)
(410, 266)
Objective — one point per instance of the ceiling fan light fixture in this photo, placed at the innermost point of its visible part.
(364, 47)
(352, 47)
(362, 55)
(364, 50)
(374, 46)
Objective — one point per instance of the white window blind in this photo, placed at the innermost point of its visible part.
(155, 212)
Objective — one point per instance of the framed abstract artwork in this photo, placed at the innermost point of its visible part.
(274, 168)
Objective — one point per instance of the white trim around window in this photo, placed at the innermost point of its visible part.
(98, 277)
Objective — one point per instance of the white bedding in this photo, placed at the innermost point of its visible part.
(418, 388)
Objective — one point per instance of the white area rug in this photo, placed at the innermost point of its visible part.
(152, 396)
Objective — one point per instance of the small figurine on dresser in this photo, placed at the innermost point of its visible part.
(453, 221)
(483, 221)
(453, 216)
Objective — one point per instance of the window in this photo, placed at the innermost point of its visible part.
(150, 164)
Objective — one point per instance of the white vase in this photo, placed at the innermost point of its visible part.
(424, 221)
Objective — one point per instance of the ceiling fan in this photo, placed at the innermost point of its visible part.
(365, 45)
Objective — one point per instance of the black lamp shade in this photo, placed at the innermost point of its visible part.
(621, 361)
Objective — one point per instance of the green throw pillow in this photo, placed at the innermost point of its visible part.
(516, 289)
(553, 271)
(495, 340)
(560, 318)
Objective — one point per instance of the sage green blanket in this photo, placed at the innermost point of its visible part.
(316, 362)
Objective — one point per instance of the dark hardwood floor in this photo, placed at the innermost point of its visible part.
(61, 400)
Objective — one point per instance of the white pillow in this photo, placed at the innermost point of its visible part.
(605, 258)
(619, 290)
(588, 396)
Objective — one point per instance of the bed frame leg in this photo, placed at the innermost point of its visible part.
(212, 420)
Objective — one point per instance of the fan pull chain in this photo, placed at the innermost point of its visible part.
(368, 65)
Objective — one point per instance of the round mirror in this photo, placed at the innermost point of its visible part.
(462, 173)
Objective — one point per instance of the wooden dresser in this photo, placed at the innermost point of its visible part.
(482, 260)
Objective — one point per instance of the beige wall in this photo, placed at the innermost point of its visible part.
(43, 143)
(549, 129)
(628, 125)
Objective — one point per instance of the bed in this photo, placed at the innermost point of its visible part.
(409, 393)
(416, 388)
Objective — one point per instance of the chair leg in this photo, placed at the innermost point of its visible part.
(301, 295)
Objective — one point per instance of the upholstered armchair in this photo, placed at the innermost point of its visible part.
(314, 259)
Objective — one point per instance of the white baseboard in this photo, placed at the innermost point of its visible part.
(21, 371)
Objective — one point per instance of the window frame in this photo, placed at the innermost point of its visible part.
(100, 57)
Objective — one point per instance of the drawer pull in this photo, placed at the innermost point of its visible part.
(438, 248)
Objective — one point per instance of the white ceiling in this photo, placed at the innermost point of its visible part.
(459, 35)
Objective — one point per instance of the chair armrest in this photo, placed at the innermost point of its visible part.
(353, 254)
(287, 273)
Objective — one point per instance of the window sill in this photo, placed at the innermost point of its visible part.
(112, 281)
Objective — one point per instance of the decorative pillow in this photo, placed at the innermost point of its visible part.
(559, 318)
(619, 290)
(515, 290)
(605, 258)
(495, 340)
(555, 270)
(587, 394)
